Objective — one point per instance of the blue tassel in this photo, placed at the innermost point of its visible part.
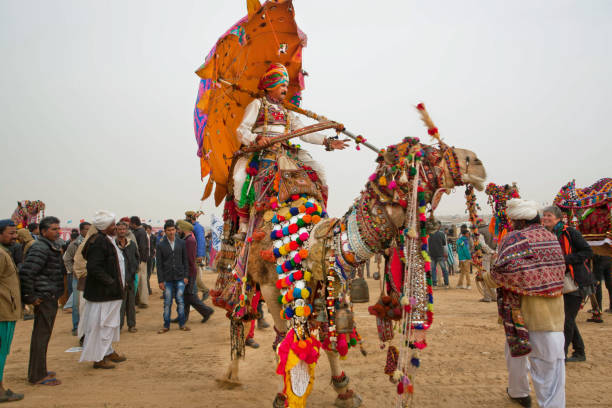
(415, 362)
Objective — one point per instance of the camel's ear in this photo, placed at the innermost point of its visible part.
(253, 6)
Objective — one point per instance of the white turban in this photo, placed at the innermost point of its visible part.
(103, 219)
(519, 209)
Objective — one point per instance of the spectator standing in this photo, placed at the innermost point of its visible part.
(132, 261)
(529, 273)
(577, 253)
(72, 279)
(602, 272)
(200, 236)
(438, 255)
(142, 241)
(10, 302)
(151, 255)
(465, 259)
(34, 230)
(191, 290)
(104, 286)
(43, 285)
(172, 274)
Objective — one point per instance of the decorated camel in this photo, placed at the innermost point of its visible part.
(590, 209)
(27, 212)
(303, 262)
(279, 243)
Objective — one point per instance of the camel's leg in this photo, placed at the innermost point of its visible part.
(340, 381)
(230, 378)
(270, 294)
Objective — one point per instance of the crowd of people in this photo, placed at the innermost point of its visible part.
(540, 275)
(101, 275)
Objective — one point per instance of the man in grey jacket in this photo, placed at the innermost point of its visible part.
(438, 254)
(72, 279)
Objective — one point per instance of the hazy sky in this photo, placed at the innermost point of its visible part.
(97, 96)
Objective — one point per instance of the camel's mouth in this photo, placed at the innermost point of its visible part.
(477, 182)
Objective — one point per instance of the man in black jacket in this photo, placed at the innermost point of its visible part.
(104, 287)
(151, 255)
(42, 285)
(143, 250)
(172, 274)
(130, 255)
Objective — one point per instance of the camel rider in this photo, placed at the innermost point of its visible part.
(266, 118)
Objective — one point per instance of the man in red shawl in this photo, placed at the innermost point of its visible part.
(266, 118)
(528, 273)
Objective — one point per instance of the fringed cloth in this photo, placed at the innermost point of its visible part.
(530, 263)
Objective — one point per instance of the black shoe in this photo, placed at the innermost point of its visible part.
(174, 320)
(81, 340)
(576, 358)
(522, 401)
(251, 343)
(75, 332)
(262, 324)
(205, 318)
(205, 295)
(28, 317)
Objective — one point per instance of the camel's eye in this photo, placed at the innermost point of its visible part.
(477, 161)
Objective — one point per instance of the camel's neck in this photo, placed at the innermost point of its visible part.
(365, 230)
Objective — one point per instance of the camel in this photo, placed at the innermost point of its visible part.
(387, 201)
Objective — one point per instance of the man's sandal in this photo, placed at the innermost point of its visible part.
(48, 381)
(163, 330)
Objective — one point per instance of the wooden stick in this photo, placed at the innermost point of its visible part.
(304, 112)
(300, 132)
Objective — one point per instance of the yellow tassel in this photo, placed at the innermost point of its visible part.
(382, 181)
(412, 233)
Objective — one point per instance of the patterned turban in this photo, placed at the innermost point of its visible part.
(275, 76)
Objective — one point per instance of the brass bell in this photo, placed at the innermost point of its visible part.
(344, 320)
(319, 306)
(360, 293)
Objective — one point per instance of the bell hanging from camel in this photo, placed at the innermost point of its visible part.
(360, 293)
(344, 320)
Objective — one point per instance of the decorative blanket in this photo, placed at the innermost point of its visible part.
(530, 263)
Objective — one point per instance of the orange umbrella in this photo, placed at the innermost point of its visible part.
(241, 56)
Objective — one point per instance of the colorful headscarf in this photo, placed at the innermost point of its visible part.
(275, 76)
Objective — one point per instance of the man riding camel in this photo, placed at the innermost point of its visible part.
(266, 118)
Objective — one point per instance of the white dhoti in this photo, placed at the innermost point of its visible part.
(546, 363)
(100, 325)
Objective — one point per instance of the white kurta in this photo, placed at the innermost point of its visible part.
(100, 322)
(546, 363)
(247, 134)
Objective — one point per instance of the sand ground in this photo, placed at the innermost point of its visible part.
(463, 366)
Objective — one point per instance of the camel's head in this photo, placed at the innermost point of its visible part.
(394, 179)
(471, 169)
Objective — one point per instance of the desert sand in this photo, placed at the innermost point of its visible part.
(463, 366)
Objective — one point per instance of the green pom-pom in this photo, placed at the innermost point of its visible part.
(413, 171)
(280, 299)
(353, 342)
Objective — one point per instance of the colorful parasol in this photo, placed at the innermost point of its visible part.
(266, 35)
